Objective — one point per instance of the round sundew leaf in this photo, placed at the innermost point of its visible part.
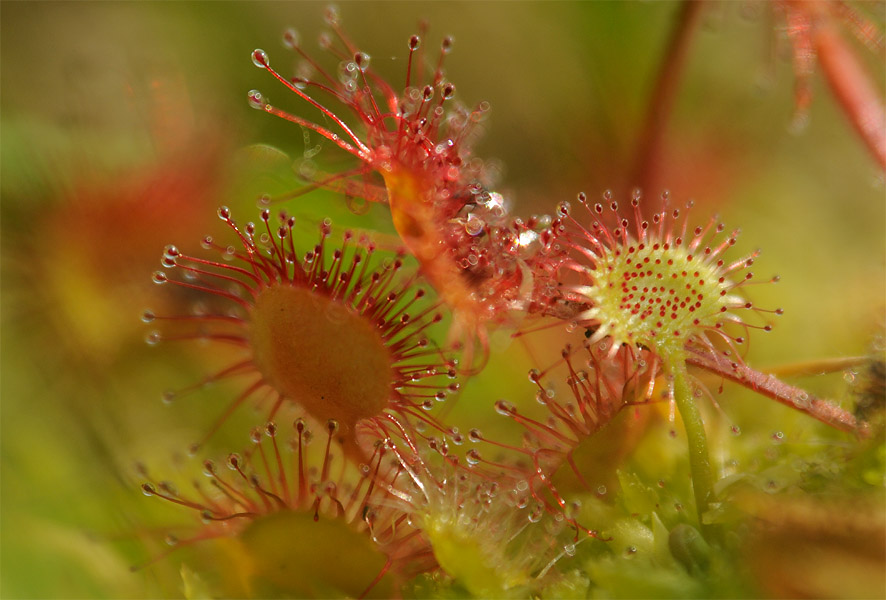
(289, 554)
(319, 353)
(599, 456)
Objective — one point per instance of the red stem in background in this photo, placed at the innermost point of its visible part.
(853, 89)
(651, 140)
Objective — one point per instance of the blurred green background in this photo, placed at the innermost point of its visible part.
(124, 125)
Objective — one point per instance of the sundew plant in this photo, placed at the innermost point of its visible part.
(462, 300)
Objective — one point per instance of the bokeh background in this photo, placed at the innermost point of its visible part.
(124, 125)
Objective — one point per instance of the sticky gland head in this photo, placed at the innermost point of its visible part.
(419, 142)
(269, 504)
(415, 129)
(413, 135)
(649, 285)
(327, 331)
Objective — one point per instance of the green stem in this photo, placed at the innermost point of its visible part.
(699, 460)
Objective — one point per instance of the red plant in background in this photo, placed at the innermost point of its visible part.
(78, 261)
(813, 27)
